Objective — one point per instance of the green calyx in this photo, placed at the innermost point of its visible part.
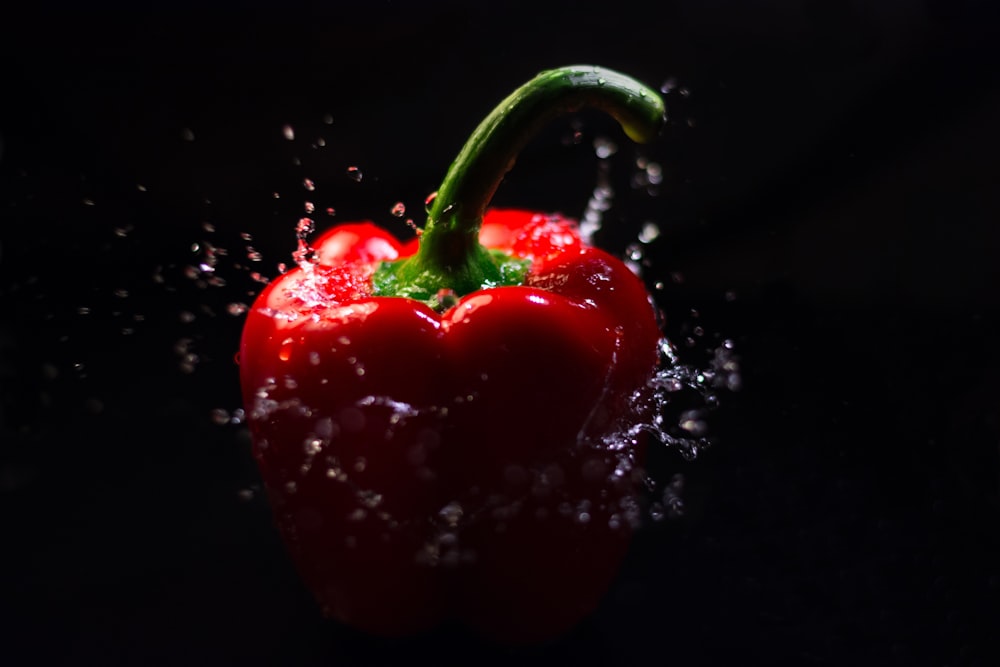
(424, 281)
(450, 261)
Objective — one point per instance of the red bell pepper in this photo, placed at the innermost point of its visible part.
(446, 429)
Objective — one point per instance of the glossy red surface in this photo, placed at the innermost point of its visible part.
(471, 465)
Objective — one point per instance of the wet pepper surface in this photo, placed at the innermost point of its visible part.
(448, 429)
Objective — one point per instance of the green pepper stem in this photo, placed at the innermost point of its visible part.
(449, 255)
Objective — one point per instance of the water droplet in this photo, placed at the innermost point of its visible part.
(303, 254)
(429, 201)
(308, 184)
(604, 148)
(370, 499)
(354, 173)
(451, 514)
(220, 416)
(288, 132)
(285, 351)
(654, 173)
(671, 384)
(328, 119)
(187, 134)
(692, 422)
(398, 209)
(236, 308)
(446, 298)
(304, 227)
(309, 207)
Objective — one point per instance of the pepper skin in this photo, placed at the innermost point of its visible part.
(447, 430)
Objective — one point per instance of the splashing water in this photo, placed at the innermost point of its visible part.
(304, 253)
(609, 459)
(679, 403)
(689, 434)
(674, 411)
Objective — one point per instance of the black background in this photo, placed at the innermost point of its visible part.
(829, 202)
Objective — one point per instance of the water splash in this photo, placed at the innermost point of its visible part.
(304, 254)
(599, 202)
(689, 432)
(680, 402)
(673, 411)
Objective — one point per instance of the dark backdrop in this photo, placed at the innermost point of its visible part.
(828, 203)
